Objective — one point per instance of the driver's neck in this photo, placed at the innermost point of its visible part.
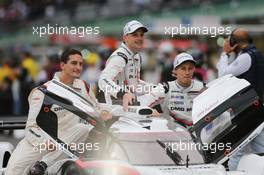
(131, 49)
(183, 85)
(66, 79)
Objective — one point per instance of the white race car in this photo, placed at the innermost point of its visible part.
(134, 143)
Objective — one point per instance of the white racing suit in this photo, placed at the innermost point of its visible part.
(69, 130)
(175, 100)
(122, 72)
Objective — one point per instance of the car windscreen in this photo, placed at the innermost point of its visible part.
(143, 148)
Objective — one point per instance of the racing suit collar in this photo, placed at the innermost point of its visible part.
(183, 89)
(127, 49)
(57, 75)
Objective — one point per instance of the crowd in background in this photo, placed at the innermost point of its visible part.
(19, 74)
(22, 71)
(23, 10)
(17, 15)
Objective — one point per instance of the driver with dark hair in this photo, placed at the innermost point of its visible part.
(69, 128)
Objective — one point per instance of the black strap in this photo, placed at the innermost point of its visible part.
(123, 56)
(254, 63)
(166, 87)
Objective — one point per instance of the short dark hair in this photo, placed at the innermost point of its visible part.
(66, 54)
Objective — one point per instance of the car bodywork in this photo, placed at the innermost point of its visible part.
(136, 144)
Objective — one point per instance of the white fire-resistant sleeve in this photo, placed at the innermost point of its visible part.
(144, 87)
(240, 65)
(33, 133)
(155, 96)
(106, 83)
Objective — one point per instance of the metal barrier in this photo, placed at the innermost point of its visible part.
(12, 122)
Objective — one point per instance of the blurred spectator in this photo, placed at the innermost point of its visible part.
(15, 85)
(104, 53)
(99, 4)
(141, 5)
(6, 71)
(249, 61)
(167, 54)
(42, 76)
(92, 71)
(54, 65)
(14, 11)
(26, 85)
(50, 12)
(150, 71)
(30, 65)
(49, 67)
(16, 91)
(200, 72)
(71, 6)
(6, 97)
(211, 72)
(248, 65)
(10, 88)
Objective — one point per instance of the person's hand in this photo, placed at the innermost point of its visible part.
(155, 113)
(105, 115)
(127, 99)
(227, 48)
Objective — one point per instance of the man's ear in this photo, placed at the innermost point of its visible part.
(174, 74)
(62, 65)
(124, 38)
